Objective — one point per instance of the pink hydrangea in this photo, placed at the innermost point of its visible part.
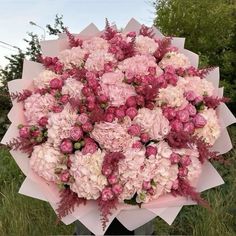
(153, 122)
(37, 106)
(175, 59)
(98, 59)
(113, 87)
(60, 125)
(95, 44)
(73, 88)
(145, 45)
(44, 160)
(73, 57)
(112, 136)
(139, 65)
(86, 171)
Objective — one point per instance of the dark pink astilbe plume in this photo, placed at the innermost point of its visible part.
(21, 144)
(53, 64)
(178, 139)
(204, 149)
(186, 190)
(73, 41)
(97, 115)
(146, 31)
(164, 45)
(205, 71)
(21, 96)
(109, 32)
(68, 201)
(106, 208)
(214, 102)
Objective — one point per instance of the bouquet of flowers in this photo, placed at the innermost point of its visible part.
(114, 124)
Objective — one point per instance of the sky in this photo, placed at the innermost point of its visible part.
(15, 16)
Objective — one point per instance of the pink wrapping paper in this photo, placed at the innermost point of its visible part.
(130, 216)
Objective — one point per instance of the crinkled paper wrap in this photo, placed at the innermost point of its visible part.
(131, 217)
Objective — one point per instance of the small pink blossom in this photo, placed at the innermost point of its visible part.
(131, 102)
(183, 171)
(64, 98)
(191, 109)
(90, 147)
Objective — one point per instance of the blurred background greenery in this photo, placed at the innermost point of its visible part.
(209, 27)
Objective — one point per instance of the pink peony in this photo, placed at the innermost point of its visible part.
(24, 132)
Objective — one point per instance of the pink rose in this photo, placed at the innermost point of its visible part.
(183, 116)
(76, 133)
(66, 146)
(107, 194)
(117, 189)
(83, 118)
(150, 150)
(134, 130)
(24, 132)
(56, 83)
(199, 121)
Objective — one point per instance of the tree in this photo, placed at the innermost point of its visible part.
(209, 27)
(13, 70)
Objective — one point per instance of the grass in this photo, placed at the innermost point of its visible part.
(21, 215)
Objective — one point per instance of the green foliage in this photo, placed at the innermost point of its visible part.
(58, 26)
(209, 27)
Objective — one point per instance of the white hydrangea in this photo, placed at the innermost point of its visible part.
(175, 59)
(194, 83)
(145, 45)
(171, 95)
(44, 78)
(73, 57)
(86, 170)
(44, 160)
(211, 131)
